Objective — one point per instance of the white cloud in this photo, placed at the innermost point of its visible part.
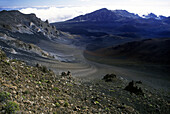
(56, 14)
(85, 0)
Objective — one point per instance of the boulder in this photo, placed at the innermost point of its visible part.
(63, 74)
(109, 77)
(132, 88)
(138, 82)
(66, 74)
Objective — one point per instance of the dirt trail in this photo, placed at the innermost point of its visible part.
(88, 70)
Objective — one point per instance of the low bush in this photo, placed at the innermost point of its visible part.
(11, 107)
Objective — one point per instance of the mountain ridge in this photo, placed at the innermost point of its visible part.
(117, 22)
(105, 14)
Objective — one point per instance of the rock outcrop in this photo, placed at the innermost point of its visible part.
(109, 77)
(132, 88)
(15, 45)
(15, 21)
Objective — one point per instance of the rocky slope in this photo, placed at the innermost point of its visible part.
(25, 23)
(20, 34)
(28, 89)
(14, 46)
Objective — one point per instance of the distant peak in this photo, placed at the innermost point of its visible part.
(151, 15)
(125, 13)
(105, 15)
(119, 11)
(103, 9)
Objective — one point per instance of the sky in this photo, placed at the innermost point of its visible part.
(61, 10)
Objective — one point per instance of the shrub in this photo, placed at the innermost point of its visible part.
(56, 89)
(30, 75)
(14, 60)
(66, 104)
(26, 92)
(96, 102)
(4, 96)
(2, 55)
(7, 62)
(11, 107)
(46, 81)
(107, 109)
(44, 69)
(38, 65)
(69, 85)
(57, 104)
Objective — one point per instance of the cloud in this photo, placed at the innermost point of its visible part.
(56, 14)
(85, 0)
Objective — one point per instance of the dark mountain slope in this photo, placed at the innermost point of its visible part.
(150, 50)
(105, 15)
(116, 22)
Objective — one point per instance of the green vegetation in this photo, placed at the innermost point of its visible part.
(26, 92)
(66, 104)
(57, 104)
(30, 75)
(96, 102)
(2, 55)
(44, 69)
(107, 109)
(69, 85)
(14, 60)
(112, 90)
(46, 81)
(7, 62)
(56, 89)
(38, 82)
(23, 97)
(4, 96)
(11, 107)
